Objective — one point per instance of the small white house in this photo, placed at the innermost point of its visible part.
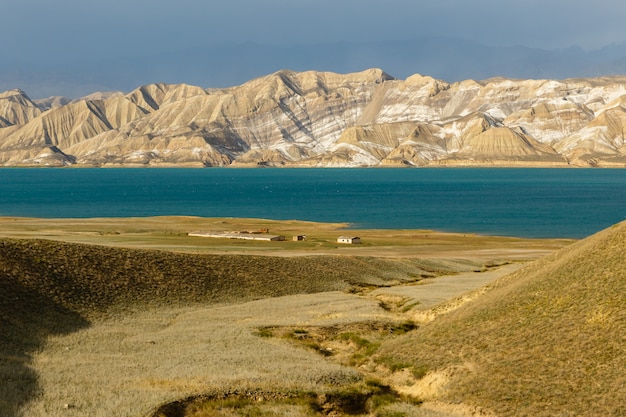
(349, 239)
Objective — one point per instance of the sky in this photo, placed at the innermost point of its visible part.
(74, 30)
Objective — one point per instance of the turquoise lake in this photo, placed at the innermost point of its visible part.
(524, 202)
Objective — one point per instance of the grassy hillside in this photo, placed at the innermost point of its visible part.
(91, 279)
(52, 288)
(549, 340)
(156, 326)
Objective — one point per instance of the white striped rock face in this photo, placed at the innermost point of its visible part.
(325, 120)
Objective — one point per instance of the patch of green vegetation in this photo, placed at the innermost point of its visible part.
(264, 332)
(419, 371)
(380, 400)
(304, 338)
(392, 414)
(407, 307)
(318, 348)
(365, 348)
(392, 363)
(370, 398)
(248, 407)
(403, 327)
(358, 399)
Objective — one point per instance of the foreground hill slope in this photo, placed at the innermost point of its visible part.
(326, 119)
(94, 280)
(52, 288)
(548, 340)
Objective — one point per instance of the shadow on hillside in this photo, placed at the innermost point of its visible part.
(27, 318)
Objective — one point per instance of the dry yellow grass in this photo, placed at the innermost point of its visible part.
(100, 328)
(80, 304)
(548, 340)
(140, 361)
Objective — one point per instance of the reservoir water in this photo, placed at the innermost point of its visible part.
(523, 202)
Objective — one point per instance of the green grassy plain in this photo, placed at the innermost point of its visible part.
(132, 317)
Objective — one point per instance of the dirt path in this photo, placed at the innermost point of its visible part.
(431, 292)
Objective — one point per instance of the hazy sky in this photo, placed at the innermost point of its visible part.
(35, 30)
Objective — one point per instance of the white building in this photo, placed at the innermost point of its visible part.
(238, 235)
(349, 239)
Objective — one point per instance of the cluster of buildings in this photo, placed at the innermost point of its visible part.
(263, 234)
(245, 235)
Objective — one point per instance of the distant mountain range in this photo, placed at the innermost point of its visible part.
(233, 64)
(325, 119)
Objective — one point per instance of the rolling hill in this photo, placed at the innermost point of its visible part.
(547, 340)
(50, 288)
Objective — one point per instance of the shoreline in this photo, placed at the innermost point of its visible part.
(489, 201)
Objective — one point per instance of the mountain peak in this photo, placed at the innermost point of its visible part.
(312, 118)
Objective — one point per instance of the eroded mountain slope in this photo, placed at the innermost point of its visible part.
(326, 119)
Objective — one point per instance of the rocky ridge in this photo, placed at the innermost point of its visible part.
(322, 119)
